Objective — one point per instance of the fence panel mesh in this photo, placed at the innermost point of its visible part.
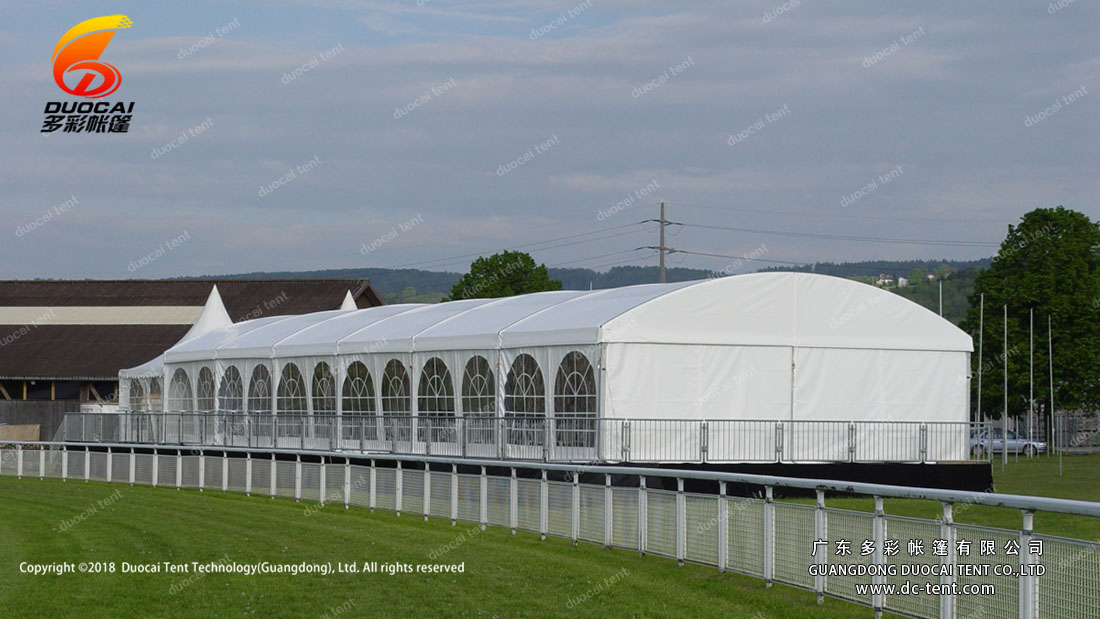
(412, 491)
(592, 514)
(624, 518)
(794, 541)
(560, 516)
(499, 503)
(745, 542)
(661, 523)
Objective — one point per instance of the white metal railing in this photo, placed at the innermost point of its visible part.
(689, 516)
(549, 438)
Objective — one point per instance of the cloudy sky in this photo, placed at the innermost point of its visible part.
(331, 134)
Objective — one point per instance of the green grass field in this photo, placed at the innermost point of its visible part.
(505, 576)
(1036, 477)
(47, 521)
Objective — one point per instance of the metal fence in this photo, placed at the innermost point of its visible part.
(1028, 574)
(549, 439)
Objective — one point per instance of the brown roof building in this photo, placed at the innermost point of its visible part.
(67, 340)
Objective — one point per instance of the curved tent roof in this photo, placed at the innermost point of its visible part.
(760, 309)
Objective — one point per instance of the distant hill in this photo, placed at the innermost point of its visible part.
(419, 286)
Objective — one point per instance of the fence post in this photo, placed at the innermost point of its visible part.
(608, 517)
(704, 441)
(681, 521)
(575, 528)
(1029, 584)
(851, 441)
(274, 473)
(483, 492)
(19, 462)
(947, 533)
(779, 442)
(513, 502)
(769, 536)
(87, 464)
(878, 531)
(427, 491)
(548, 436)
(723, 528)
(454, 495)
(626, 441)
(225, 471)
(347, 482)
(321, 490)
(110, 457)
(544, 505)
(156, 467)
(373, 485)
(179, 469)
(643, 517)
(202, 469)
(248, 474)
(42, 465)
(398, 484)
(821, 533)
(133, 465)
(923, 443)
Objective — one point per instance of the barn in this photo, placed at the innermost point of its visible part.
(765, 367)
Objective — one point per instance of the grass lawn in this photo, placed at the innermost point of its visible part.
(1036, 477)
(505, 576)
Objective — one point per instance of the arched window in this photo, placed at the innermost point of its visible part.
(137, 396)
(180, 393)
(291, 399)
(231, 391)
(324, 390)
(575, 402)
(436, 398)
(358, 396)
(206, 393)
(259, 391)
(395, 400)
(478, 388)
(154, 395)
(291, 403)
(524, 391)
(525, 402)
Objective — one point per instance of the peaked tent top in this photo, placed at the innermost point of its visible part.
(349, 303)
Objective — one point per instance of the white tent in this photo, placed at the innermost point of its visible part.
(767, 346)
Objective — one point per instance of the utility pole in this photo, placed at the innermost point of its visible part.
(661, 248)
(661, 245)
(941, 298)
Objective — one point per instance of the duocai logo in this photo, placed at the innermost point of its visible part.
(76, 57)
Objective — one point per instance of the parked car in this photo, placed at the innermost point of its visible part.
(1016, 443)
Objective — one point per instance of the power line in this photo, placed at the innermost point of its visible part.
(840, 237)
(462, 259)
(772, 212)
(615, 253)
(705, 253)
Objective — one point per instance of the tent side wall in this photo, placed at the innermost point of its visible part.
(744, 390)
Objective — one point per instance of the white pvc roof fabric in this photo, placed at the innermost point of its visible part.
(766, 309)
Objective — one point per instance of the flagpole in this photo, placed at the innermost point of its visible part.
(981, 336)
(1004, 413)
(1050, 357)
(1031, 377)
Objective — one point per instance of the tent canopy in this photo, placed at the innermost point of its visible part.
(760, 309)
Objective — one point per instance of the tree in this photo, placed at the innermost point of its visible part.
(503, 275)
(918, 275)
(1050, 263)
